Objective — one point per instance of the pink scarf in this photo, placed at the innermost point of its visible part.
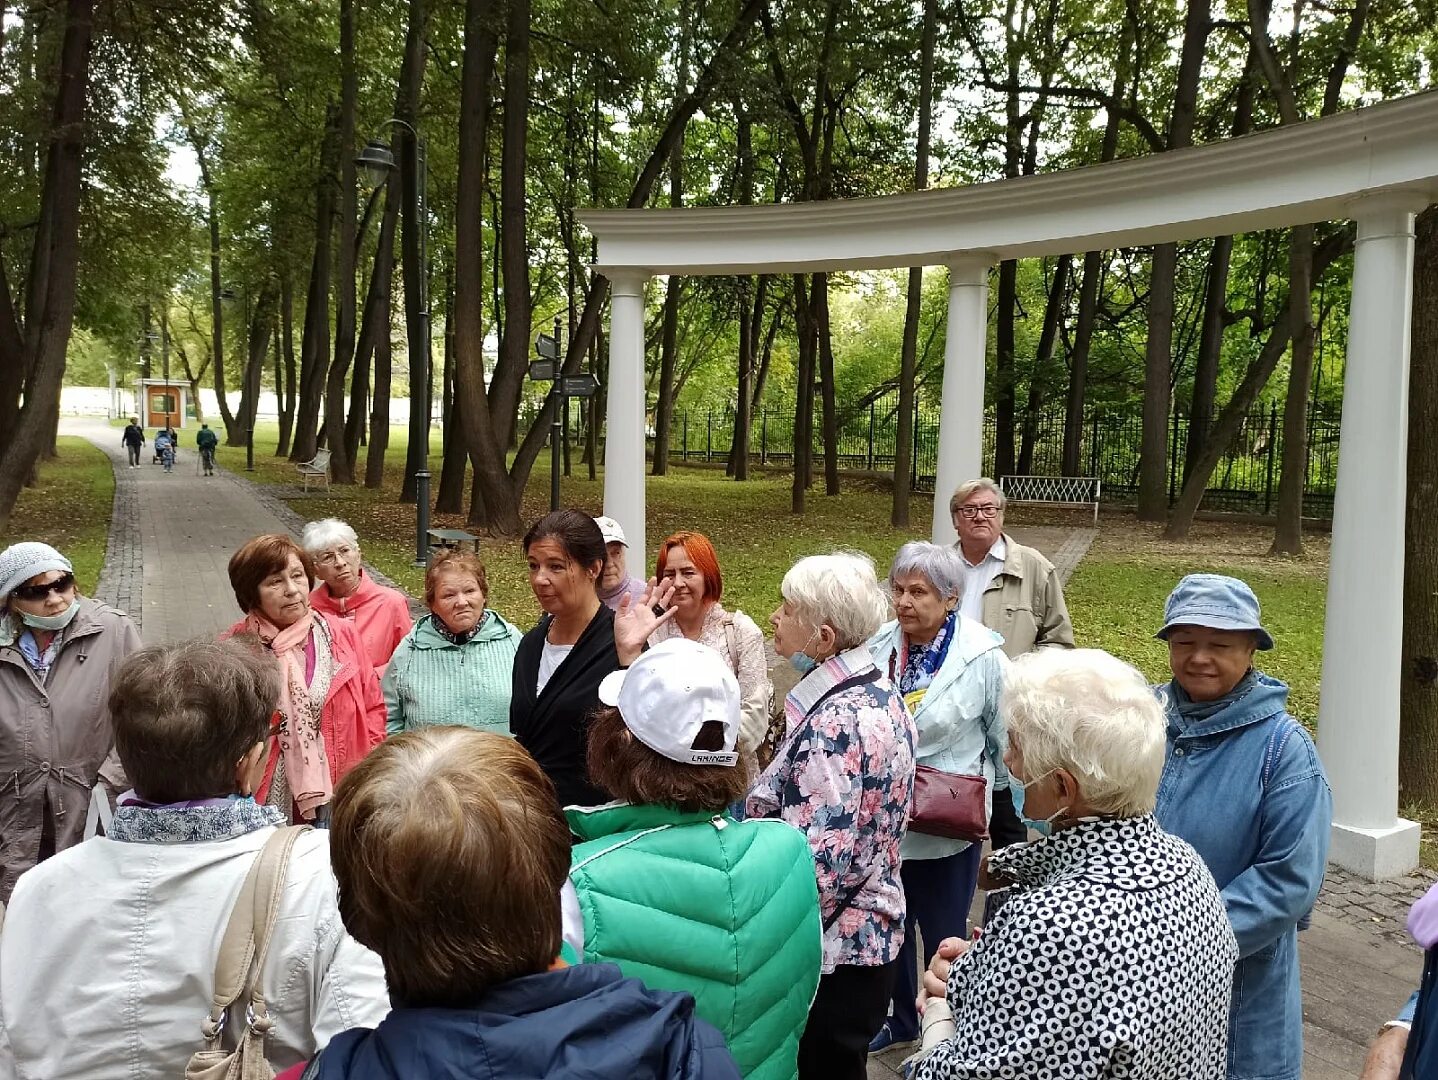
(302, 745)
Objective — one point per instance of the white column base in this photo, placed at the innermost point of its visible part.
(1376, 854)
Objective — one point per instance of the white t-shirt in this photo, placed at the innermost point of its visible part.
(549, 661)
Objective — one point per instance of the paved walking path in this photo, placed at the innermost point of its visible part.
(171, 540)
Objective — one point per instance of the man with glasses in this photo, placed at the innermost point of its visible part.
(1011, 589)
(380, 614)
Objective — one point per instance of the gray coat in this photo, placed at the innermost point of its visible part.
(55, 737)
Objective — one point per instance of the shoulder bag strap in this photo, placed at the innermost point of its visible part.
(730, 639)
(246, 937)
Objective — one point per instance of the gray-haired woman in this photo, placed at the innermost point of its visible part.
(950, 671)
(844, 775)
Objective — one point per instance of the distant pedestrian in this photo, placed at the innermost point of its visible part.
(165, 448)
(132, 440)
(206, 441)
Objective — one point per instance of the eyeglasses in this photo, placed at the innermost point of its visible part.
(38, 592)
(988, 510)
(339, 555)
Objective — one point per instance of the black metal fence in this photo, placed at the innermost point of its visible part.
(1246, 479)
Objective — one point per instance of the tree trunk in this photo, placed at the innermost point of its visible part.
(828, 410)
(257, 347)
(909, 352)
(1158, 355)
(289, 398)
(508, 381)
(342, 466)
(1418, 690)
(1053, 315)
(803, 393)
(413, 261)
(1293, 474)
(233, 435)
(374, 337)
(315, 346)
(669, 339)
(1230, 420)
(54, 259)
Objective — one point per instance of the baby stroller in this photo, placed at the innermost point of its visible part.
(165, 448)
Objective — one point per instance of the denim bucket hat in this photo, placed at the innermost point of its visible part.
(1216, 601)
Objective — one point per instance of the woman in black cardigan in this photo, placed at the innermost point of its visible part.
(578, 641)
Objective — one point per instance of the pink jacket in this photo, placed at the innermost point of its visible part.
(380, 614)
(353, 718)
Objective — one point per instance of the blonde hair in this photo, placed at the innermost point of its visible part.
(450, 850)
(1090, 713)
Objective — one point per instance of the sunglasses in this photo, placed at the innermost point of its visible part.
(39, 592)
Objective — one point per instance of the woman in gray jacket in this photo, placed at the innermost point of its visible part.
(58, 651)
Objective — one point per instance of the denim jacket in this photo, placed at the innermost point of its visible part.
(1245, 787)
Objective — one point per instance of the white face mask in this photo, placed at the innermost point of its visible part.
(51, 622)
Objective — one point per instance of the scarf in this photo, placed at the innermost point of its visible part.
(139, 822)
(40, 660)
(918, 664)
(302, 746)
(450, 636)
(1192, 712)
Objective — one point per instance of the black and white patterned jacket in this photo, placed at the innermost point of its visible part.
(1113, 958)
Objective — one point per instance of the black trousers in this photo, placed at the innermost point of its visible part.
(850, 1007)
(1005, 828)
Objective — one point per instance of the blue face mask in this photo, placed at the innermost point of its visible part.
(1043, 826)
(801, 661)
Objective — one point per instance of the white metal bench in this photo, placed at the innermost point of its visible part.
(1052, 490)
(318, 468)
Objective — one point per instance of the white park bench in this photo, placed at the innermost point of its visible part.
(1052, 491)
(318, 468)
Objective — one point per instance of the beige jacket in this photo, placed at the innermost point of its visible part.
(55, 737)
(1025, 603)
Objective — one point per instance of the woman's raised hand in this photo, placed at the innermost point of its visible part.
(635, 620)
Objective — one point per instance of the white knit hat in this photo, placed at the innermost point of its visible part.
(20, 562)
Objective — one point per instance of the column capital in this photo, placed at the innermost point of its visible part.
(970, 267)
(626, 281)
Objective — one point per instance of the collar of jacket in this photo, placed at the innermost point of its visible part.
(427, 636)
(1110, 851)
(1267, 698)
(1013, 563)
(367, 591)
(829, 674)
(592, 822)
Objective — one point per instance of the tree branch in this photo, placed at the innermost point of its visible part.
(1095, 97)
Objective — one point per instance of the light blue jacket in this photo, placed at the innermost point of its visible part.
(1245, 787)
(960, 730)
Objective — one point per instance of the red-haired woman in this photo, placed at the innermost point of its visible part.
(688, 560)
(331, 710)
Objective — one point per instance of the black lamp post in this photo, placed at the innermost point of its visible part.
(376, 161)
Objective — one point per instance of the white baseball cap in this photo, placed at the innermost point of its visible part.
(670, 693)
(613, 534)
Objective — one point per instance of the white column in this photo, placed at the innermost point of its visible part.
(624, 421)
(1363, 627)
(961, 409)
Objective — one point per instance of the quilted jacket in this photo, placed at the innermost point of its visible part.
(723, 909)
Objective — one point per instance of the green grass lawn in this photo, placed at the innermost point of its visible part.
(69, 509)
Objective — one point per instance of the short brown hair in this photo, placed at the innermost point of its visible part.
(453, 562)
(257, 560)
(185, 714)
(450, 850)
(632, 772)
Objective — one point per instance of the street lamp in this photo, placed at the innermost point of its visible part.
(377, 161)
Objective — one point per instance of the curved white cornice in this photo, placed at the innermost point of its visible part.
(1313, 171)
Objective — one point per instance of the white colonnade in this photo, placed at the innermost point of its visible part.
(1377, 166)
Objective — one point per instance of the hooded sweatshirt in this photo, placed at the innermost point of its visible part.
(433, 679)
(380, 614)
(577, 1023)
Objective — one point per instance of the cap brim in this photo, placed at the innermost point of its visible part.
(1216, 622)
(610, 686)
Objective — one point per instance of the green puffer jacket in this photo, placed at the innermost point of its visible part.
(726, 910)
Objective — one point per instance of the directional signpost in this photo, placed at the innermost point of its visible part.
(549, 368)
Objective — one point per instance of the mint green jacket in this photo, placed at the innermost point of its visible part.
(725, 910)
(431, 680)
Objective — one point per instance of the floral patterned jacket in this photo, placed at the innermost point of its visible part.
(845, 777)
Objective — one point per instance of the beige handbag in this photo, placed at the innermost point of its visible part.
(237, 971)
